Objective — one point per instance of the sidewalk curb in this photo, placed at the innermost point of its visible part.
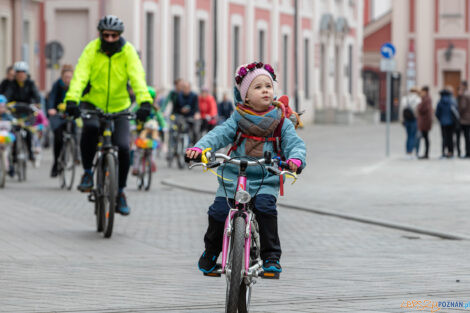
(355, 218)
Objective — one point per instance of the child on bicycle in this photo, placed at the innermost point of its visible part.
(6, 136)
(147, 139)
(257, 116)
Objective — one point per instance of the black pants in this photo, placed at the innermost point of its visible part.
(457, 132)
(266, 215)
(425, 136)
(466, 135)
(447, 139)
(120, 138)
(58, 126)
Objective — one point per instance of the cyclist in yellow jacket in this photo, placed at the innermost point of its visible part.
(100, 80)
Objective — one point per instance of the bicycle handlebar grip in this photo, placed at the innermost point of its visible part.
(197, 159)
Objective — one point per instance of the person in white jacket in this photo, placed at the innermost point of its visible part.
(408, 114)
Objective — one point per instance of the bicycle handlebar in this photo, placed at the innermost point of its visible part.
(267, 160)
(100, 114)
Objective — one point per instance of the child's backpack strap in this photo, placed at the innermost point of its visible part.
(236, 142)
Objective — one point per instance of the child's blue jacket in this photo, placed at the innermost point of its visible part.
(223, 135)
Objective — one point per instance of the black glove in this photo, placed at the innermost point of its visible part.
(72, 109)
(143, 112)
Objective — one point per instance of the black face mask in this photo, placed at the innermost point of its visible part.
(111, 48)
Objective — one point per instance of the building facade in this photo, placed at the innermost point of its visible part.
(19, 34)
(204, 41)
(432, 38)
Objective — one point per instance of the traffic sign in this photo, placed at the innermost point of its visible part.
(388, 65)
(54, 51)
(388, 50)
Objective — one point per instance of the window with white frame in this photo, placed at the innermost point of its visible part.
(149, 51)
(176, 47)
(201, 62)
(285, 60)
(307, 68)
(236, 50)
(261, 41)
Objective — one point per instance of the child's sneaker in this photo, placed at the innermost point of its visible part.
(272, 266)
(207, 262)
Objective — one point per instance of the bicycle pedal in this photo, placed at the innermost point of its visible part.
(92, 197)
(270, 275)
(217, 272)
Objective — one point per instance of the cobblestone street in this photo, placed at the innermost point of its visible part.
(52, 260)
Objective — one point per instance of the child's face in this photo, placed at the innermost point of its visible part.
(260, 93)
(3, 109)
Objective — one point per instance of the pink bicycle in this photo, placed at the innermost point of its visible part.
(241, 262)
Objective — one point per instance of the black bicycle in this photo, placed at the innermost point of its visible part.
(179, 140)
(68, 155)
(105, 166)
(24, 118)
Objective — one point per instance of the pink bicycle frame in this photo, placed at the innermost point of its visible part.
(241, 185)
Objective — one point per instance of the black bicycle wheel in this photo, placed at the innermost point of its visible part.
(183, 143)
(109, 183)
(243, 298)
(172, 146)
(20, 158)
(99, 215)
(236, 264)
(69, 164)
(147, 174)
(3, 169)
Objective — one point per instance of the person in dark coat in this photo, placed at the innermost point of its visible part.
(446, 113)
(8, 80)
(224, 109)
(464, 111)
(424, 115)
(55, 98)
(23, 90)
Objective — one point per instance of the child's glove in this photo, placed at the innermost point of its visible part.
(193, 153)
(294, 164)
(143, 112)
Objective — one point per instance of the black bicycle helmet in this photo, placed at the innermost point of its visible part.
(111, 22)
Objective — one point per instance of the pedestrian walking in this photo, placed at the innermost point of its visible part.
(409, 105)
(447, 114)
(424, 115)
(463, 101)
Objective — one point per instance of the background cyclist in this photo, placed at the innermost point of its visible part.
(106, 65)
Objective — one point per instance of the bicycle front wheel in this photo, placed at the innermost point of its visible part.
(182, 144)
(109, 195)
(67, 164)
(21, 158)
(236, 265)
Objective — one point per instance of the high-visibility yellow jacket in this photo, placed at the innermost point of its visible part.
(108, 77)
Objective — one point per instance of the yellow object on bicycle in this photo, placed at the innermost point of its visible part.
(205, 161)
(61, 107)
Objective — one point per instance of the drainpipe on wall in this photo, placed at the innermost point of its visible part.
(214, 83)
(296, 56)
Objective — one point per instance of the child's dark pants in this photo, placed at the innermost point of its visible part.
(266, 215)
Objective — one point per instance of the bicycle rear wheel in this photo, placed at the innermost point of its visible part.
(236, 265)
(3, 169)
(109, 194)
(147, 170)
